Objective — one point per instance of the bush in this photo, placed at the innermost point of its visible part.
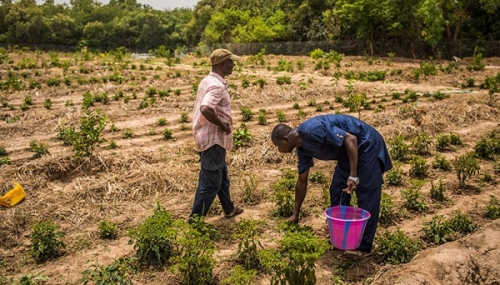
(386, 214)
(395, 247)
(46, 240)
(413, 198)
(394, 177)
(283, 194)
(437, 192)
(240, 276)
(462, 223)
(440, 162)
(247, 233)
(466, 166)
(438, 230)
(419, 168)
(398, 149)
(154, 239)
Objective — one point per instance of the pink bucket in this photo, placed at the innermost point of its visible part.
(346, 225)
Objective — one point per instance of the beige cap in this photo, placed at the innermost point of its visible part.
(219, 55)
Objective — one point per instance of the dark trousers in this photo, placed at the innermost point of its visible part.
(213, 181)
(368, 199)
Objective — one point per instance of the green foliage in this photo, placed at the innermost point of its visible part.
(116, 273)
(466, 166)
(3, 152)
(240, 276)
(47, 104)
(419, 167)
(386, 214)
(128, 133)
(246, 113)
(455, 139)
(462, 223)
(413, 198)
(195, 261)
(250, 182)
(318, 177)
(89, 136)
(281, 116)
(241, 136)
(184, 117)
(398, 149)
(440, 162)
(293, 262)
(107, 230)
(395, 247)
(437, 192)
(40, 149)
(280, 80)
(421, 143)
(484, 148)
(28, 279)
(492, 208)
(478, 64)
(283, 194)
(394, 177)
(46, 240)
(247, 233)
(438, 230)
(443, 142)
(162, 122)
(262, 117)
(154, 239)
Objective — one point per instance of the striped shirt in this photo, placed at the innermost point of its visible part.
(212, 92)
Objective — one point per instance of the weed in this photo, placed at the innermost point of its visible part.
(154, 239)
(466, 166)
(395, 247)
(107, 230)
(46, 240)
(128, 133)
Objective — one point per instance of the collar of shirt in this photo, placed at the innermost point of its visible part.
(218, 77)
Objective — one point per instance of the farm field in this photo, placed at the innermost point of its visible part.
(147, 159)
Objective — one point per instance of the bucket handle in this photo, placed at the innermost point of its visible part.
(355, 207)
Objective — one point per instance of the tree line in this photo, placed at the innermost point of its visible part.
(414, 24)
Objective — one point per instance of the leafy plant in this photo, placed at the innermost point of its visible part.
(421, 143)
(241, 136)
(394, 177)
(492, 208)
(438, 230)
(246, 113)
(107, 230)
(283, 194)
(386, 214)
(462, 223)
(154, 239)
(46, 240)
(419, 167)
(440, 162)
(128, 133)
(466, 166)
(398, 149)
(116, 273)
(247, 232)
(413, 198)
(484, 149)
(240, 276)
(262, 117)
(437, 192)
(395, 247)
(40, 149)
(90, 134)
(281, 116)
(167, 134)
(455, 139)
(28, 279)
(318, 177)
(184, 117)
(293, 262)
(250, 182)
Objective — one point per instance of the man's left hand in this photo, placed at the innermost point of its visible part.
(351, 187)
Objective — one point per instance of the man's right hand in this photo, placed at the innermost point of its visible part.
(294, 219)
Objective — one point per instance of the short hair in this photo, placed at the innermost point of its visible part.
(280, 131)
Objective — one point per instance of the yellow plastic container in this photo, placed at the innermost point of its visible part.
(13, 197)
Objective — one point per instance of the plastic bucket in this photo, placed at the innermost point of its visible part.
(346, 225)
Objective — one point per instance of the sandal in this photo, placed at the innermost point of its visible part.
(357, 253)
(236, 211)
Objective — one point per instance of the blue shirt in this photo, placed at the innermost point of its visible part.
(323, 138)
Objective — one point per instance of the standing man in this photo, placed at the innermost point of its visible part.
(361, 155)
(212, 129)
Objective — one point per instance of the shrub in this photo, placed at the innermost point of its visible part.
(162, 122)
(90, 134)
(247, 232)
(241, 136)
(413, 198)
(419, 168)
(318, 177)
(438, 230)
(492, 208)
(395, 247)
(283, 194)
(398, 149)
(293, 262)
(440, 162)
(280, 80)
(386, 214)
(421, 143)
(46, 240)
(437, 192)
(167, 134)
(455, 139)
(246, 113)
(484, 149)
(154, 239)
(462, 223)
(466, 166)
(394, 177)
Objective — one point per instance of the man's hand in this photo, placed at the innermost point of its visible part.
(351, 187)
(294, 219)
(227, 128)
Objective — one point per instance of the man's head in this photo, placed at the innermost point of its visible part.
(283, 137)
(222, 61)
